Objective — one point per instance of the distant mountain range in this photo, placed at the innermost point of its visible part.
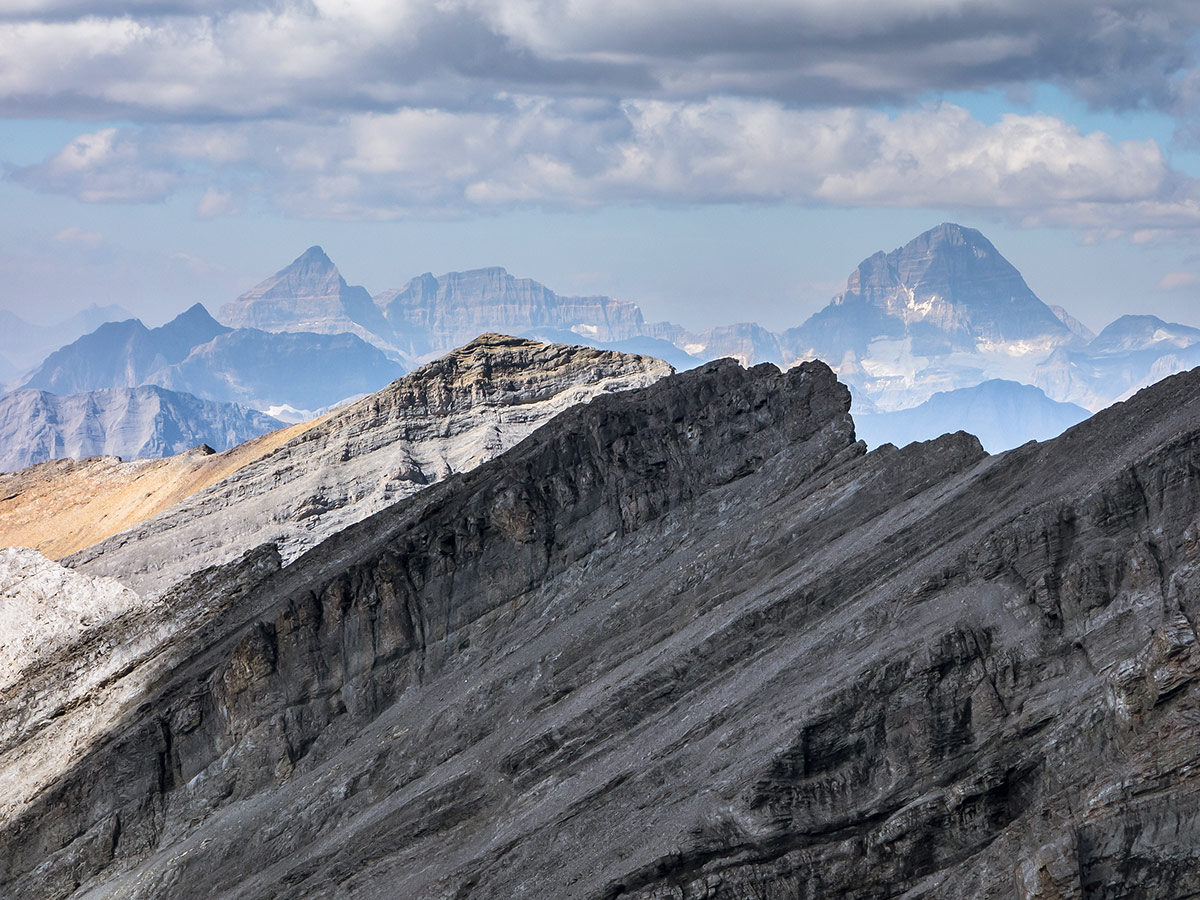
(195, 354)
(23, 344)
(1002, 414)
(132, 423)
(944, 313)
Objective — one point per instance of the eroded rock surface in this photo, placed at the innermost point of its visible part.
(689, 641)
(446, 417)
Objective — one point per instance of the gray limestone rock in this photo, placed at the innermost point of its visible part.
(446, 417)
(689, 641)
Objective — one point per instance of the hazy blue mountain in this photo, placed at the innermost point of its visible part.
(196, 354)
(263, 370)
(944, 311)
(309, 295)
(132, 423)
(24, 344)
(1129, 354)
(431, 315)
(1002, 414)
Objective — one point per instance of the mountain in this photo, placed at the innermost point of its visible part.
(431, 315)
(23, 344)
(1002, 414)
(1129, 354)
(690, 640)
(944, 311)
(124, 354)
(310, 295)
(448, 416)
(132, 423)
(195, 354)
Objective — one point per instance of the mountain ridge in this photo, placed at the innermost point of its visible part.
(690, 639)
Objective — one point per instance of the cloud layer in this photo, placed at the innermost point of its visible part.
(385, 108)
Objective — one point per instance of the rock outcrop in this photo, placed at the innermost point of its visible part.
(685, 641)
(446, 417)
(132, 423)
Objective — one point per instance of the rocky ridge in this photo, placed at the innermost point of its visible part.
(448, 416)
(685, 641)
(65, 505)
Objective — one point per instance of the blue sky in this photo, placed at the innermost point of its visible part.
(712, 161)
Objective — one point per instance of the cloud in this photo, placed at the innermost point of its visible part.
(217, 203)
(106, 166)
(548, 152)
(1176, 281)
(75, 235)
(188, 60)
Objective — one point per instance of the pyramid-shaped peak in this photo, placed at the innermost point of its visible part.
(314, 256)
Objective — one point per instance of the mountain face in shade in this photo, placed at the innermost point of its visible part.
(132, 423)
(309, 295)
(1002, 414)
(446, 417)
(685, 641)
(196, 354)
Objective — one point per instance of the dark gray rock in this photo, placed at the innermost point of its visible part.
(688, 641)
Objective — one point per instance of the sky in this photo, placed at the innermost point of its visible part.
(714, 161)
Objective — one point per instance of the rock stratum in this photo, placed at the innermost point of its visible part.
(446, 417)
(685, 641)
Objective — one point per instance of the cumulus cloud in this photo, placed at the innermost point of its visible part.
(545, 152)
(187, 59)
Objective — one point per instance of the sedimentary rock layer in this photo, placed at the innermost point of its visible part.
(687, 641)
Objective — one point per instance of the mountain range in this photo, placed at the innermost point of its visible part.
(689, 640)
(194, 353)
(945, 311)
(131, 423)
(942, 314)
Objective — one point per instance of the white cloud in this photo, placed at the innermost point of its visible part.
(217, 203)
(73, 234)
(544, 152)
(1176, 281)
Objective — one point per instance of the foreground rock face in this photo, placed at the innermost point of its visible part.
(446, 417)
(688, 641)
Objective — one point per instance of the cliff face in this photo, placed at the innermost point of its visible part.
(446, 417)
(686, 641)
(431, 315)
